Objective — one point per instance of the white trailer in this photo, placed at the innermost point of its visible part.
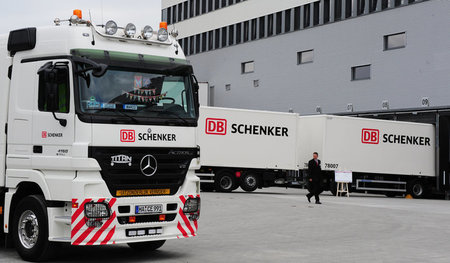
(245, 148)
(389, 156)
(98, 142)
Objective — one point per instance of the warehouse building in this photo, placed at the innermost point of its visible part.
(312, 56)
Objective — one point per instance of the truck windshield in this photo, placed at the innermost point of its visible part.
(137, 94)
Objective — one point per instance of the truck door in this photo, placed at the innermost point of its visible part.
(53, 123)
(444, 152)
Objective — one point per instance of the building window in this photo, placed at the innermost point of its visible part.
(306, 15)
(203, 42)
(337, 10)
(185, 10)
(269, 25)
(316, 19)
(246, 25)
(203, 6)
(361, 72)
(395, 41)
(216, 4)
(197, 43)
(248, 67)
(238, 33)
(254, 33)
(210, 40)
(180, 12)
(174, 14)
(326, 11)
(287, 20)
(372, 5)
(262, 27)
(397, 3)
(169, 15)
(297, 18)
(306, 56)
(384, 4)
(197, 7)
(231, 35)
(191, 8)
(230, 2)
(224, 36)
(228, 87)
(348, 8)
(279, 17)
(191, 45)
(361, 5)
(210, 5)
(217, 38)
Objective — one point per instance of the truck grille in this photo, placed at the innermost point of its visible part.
(121, 168)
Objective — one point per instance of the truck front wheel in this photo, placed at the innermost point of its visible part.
(29, 229)
(147, 246)
(225, 181)
(249, 182)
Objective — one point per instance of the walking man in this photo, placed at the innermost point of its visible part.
(314, 178)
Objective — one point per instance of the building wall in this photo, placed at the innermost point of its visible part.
(401, 76)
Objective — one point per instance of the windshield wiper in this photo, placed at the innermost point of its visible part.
(176, 115)
(124, 114)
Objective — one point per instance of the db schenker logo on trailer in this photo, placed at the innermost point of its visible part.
(216, 126)
(370, 136)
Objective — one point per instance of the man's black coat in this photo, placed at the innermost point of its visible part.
(315, 171)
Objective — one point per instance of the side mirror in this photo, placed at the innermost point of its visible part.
(99, 70)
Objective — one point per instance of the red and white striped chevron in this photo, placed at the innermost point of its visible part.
(82, 235)
(189, 229)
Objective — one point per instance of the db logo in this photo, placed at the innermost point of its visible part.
(370, 136)
(127, 136)
(216, 126)
(44, 134)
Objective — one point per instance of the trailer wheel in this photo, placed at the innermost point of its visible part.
(29, 229)
(147, 246)
(225, 181)
(249, 182)
(417, 188)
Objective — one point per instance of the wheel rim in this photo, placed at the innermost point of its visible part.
(225, 182)
(250, 181)
(417, 189)
(28, 229)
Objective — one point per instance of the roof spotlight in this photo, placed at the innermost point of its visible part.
(163, 35)
(110, 27)
(130, 30)
(147, 32)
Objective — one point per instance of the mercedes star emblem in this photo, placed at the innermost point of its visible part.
(149, 165)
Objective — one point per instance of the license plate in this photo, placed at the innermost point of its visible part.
(148, 209)
(142, 192)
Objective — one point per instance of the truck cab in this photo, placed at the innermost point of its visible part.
(99, 143)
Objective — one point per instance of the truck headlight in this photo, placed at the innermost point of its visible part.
(163, 35)
(130, 30)
(96, 210)
(191, 205)
(110, 27)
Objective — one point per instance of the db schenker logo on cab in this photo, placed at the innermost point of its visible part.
(370, 136)
(127, 136)
(216, 126)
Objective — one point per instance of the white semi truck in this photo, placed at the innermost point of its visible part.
(98, 143)
(254, 149)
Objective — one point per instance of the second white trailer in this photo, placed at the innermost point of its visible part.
(389, 156)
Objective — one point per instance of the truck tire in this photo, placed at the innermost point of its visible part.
(249, 182)
(225, 181)
(147, 246)
(417, 188)
(29, 229)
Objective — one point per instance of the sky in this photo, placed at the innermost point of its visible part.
(35, 13)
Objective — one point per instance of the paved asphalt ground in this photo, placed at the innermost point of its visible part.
(278, 225)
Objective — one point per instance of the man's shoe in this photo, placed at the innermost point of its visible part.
(318, 203)
(309, 199)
